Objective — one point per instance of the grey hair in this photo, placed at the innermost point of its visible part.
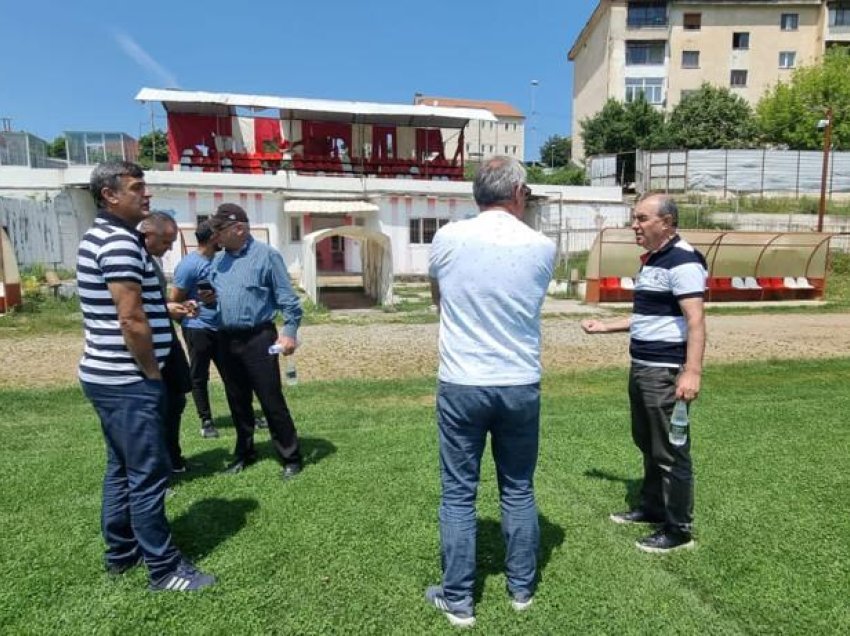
(156, 222)
(108, 175)
(666, 206)
(497, 179)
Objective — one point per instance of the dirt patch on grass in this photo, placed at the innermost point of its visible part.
(392, 351)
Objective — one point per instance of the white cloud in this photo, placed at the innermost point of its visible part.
(164, 77)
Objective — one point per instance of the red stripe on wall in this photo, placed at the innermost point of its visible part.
(258, 205)
(193, 204)
(243, 201)
(218, 199)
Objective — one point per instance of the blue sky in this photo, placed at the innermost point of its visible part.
(78, 65)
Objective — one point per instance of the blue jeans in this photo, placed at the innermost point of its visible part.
(133, 518)
(465, 414)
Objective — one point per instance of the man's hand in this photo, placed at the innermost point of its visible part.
(593, 326)
(287, 345)
(178, 311)
(687, 386)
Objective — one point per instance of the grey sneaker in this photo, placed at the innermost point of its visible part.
(185, 578)
(521, 602)
(458, 618)
(208, 430)
(638, 515)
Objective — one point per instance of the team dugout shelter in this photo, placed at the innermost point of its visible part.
(742, 266)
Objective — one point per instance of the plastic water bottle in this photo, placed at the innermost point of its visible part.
(275, 349)
(679, 424)
(291, 372)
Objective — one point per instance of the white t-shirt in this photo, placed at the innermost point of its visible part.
(493, 271)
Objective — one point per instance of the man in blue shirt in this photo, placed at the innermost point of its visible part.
(200, 330)
(251, 286)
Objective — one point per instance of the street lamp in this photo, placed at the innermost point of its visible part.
(825, 125)
(533, 119)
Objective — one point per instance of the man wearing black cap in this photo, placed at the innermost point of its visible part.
(252, 285)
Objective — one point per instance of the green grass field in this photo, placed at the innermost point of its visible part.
(350, 545)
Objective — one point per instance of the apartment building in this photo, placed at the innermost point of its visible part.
(664, 49)
(483, 139)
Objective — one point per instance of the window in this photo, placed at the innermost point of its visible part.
(839, 14)
(645, 53)
(513, 149)
(514, 127)
(295, 229)
(692, 21)
(787, 59)
(789, 21)
(646, 14)
(738, 78)
(741, 40)
(506, 150)
(690, 59)
(422, 231)
(652, 89)
(506, 127)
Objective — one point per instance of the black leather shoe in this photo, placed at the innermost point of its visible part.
(238, 465)
(665, 541)
(291, 470)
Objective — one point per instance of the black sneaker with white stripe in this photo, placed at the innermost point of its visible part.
(185, 578)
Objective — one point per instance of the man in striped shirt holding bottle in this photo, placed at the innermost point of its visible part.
(127, 338)
(667, 329)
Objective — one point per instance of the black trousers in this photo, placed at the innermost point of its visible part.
(668, 481)
(175, 378)
(247, 368)
(203, 349)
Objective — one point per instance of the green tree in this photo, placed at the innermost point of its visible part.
(556, 151)
(620, 127)
(712, 117)
(56, 148)
(788, 114)
(146, 147)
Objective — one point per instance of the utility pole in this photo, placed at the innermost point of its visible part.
(533, 120)
(827, 141)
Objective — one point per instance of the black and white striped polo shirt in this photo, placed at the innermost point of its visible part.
(659, 332)
(111, 251)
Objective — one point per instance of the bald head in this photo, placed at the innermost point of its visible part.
(663, 205)
(160, 232)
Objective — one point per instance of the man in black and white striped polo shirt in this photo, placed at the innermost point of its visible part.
(667, 329)
(127, 339)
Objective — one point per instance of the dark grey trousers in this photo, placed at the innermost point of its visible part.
(668, 480)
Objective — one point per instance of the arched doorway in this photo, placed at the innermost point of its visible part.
(375, 258)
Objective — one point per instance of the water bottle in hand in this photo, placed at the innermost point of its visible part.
(275, 349)
(291, 373)
(679, 424)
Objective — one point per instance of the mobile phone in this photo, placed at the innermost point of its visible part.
(205, 285)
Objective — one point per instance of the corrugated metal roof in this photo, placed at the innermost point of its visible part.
(500, 109)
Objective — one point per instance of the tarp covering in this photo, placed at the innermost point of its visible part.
(325, 206)
(375, 255)
(417, 115)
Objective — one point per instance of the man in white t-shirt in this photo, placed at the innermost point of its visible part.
(489, 276)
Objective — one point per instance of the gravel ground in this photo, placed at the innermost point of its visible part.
(394, 350)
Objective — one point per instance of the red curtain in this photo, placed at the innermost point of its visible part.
(320, 138)
(267, 137)
(187, 130)
(428, 141)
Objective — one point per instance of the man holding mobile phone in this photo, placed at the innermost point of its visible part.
(200, 331)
